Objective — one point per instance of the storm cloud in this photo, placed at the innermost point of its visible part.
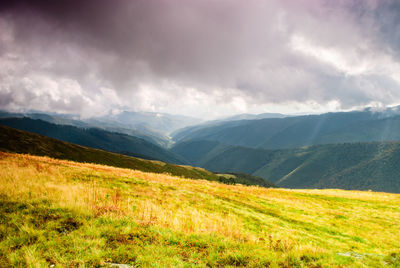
(198, 57)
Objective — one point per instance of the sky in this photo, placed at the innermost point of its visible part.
(200, 58)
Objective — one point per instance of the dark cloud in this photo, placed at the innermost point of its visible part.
(95, 55)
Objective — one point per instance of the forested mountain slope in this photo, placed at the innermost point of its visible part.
(361, 166)
(294, 132)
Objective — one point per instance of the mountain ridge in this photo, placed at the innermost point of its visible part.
(298, 131)
(361, 166)
(95, 138)
(18, 141)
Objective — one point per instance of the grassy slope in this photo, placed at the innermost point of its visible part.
(72, 214)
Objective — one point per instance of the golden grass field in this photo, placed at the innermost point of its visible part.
(68, 214)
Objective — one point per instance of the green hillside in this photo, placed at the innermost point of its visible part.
(17, 141)
(12, 140)
(299, 131)
(361, 166)
(200, 152)
(96, 138)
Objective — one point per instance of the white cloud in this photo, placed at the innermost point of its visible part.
(346, 63)
(200, 58)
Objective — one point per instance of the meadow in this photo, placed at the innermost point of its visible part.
(68, 214)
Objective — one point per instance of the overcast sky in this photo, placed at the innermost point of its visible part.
(203, 58)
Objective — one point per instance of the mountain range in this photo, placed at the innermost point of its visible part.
(348, 150)
(146, 121)
(153, 127)
(18, 141)
(95, 138)
(298, 131)
(360, 166)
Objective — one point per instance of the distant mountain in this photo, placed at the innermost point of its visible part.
(95, 138)
(147, 121)
(181, 133)
(354, 166)
(298, 131)
(253, 116)
(18, 141)
(109, 125)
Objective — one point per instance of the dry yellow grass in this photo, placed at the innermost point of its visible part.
(281, 221)
(26, 177)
